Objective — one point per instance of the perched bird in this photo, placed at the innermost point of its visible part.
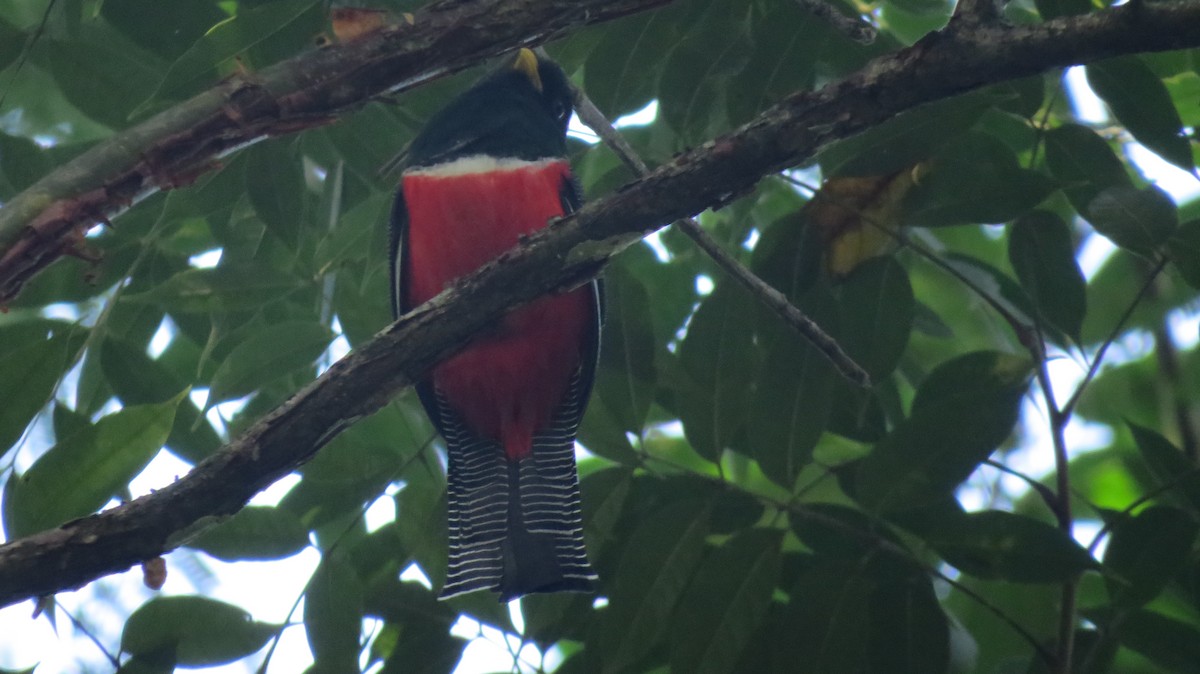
(486, 170)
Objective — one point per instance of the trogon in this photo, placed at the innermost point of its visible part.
(485, 171)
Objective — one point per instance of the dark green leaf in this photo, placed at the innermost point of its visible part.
(905, 139)
(718, 356)
(622, 70)
(220, 45)
(103, 75)
(166, 29)
(1169, 642)
(975, 179)
(654, 571)
(1168, 464)
(1139, 100)
(726, 601)
(1183, 248)
(1083, 163)
(333, 614)
(876, 311)
(138, 380)
(201, 632)
(699, 69)
(1145, 552)
(1140, 220)
(275, 185)
(421, 514)
(792, 399)
(924, 458)
(997, 544)
(784, 43)
(81, 473)
(626, 378)
(835, 531)
(267, 355)
(223, 288)
(28, 377)
(1042, 255)
(255, 532)
(867, 616)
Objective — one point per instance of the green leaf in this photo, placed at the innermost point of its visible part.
(725, 603)
(1043, 256)
(333, 614)
(255, 532)
(1145, 552)
(28, 377)
(12, 42)
(216, 51)
(199, 631)
(1139, 100)
(224, 288)
(421, 514)
(924, 458)
(267, 355)
(1084, 163)
(784, 42)
(1167, 463)
(905, 139)
(137, 380)
(1183, 248)
(654, 571)
(835, 531)
(699, 69)
(1169, 642)
(792, 399)
(1139, 220)
(275, 185)
(626, 376)
(865, 616)
(997, 544)
(167, 29)
(718, 355)
(975, 179)
(876, 311)
(622, 70)
(81, 473)
(102, 75)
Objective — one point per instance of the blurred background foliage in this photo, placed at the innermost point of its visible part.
(746, 508)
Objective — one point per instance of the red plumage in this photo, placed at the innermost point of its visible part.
(506, 385)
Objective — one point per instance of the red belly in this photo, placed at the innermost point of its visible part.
(507, 384)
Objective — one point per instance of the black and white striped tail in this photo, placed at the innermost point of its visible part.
(516, 527)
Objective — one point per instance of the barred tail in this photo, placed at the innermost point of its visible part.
(516, 527)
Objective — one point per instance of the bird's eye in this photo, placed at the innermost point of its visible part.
(560, 110)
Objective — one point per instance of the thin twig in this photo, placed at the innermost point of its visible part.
(88, 633)
(1069, 407)
(772, 298)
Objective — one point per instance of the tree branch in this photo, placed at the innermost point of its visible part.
(564, 255)
(774, 300)
(173, 148)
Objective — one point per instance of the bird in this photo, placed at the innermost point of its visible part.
(484, 172)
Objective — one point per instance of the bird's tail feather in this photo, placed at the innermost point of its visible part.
(516, 527)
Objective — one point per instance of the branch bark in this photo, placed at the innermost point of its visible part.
(566, 254)
(173, 148)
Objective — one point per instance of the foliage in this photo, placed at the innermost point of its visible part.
(746, 509)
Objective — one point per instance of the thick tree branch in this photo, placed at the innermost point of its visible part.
(566, 254)
(172, 148)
